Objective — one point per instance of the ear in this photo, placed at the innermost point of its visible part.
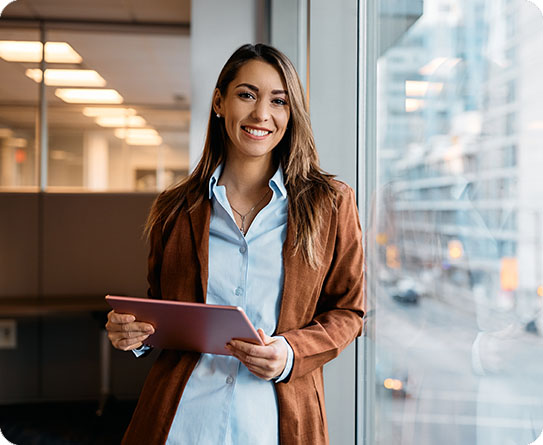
(217, 102)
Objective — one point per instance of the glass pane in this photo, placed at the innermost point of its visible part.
(458, 229)
(18, 111)
(137, 139)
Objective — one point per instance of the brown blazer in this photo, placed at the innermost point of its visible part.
(321, 313)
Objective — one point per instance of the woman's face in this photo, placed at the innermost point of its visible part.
(255, 110)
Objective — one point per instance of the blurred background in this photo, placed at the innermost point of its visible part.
(431, 110)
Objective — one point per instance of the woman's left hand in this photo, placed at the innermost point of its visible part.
(266, 362)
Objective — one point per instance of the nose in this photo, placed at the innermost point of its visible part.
(261, 111)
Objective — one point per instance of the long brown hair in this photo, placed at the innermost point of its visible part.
(310, 190)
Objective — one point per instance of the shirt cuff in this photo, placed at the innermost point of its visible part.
(138, 352)
(290, 360)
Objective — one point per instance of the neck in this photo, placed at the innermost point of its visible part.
(248, 177)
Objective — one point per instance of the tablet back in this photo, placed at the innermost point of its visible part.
(188, 326)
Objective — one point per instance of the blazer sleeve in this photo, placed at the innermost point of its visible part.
(341, 302)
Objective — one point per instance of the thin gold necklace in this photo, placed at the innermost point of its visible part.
(242, 228)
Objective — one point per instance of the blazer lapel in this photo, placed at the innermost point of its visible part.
(199, 220)
(293, 266)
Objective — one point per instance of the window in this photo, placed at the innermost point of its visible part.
(458, 318)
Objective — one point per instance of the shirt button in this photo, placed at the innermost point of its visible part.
(229, 380)
(242, 249)
(239, 291)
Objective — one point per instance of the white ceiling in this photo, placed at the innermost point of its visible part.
(148, 66)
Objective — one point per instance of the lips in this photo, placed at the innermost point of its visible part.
(258, 132)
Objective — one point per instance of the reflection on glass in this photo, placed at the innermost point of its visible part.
(459, 224)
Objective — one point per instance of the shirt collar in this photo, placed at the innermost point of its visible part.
(214, 180)
(276, 181)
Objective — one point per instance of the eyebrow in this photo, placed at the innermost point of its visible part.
(255, 89)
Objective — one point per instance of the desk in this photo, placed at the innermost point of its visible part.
(37, 307)
(64, 306)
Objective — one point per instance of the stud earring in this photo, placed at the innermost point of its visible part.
(218, 116)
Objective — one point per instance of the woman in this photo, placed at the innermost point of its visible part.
(257, 225)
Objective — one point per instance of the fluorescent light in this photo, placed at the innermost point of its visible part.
(108, 111)
(5, 133)
(120, 121)
(59, 155)
(413, 104)
(156, 140)
(432, 66)
(14, 51)
(18, 142)
(139, 136)
(421, 87)
(82, 96)
(416, 87)
(61, 52)
(123, 133)
(27, 51)
(74, 78)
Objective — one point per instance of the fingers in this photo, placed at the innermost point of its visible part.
(253, 362)
(125, 333)
(115, 317)
(265, 339)
(130, 328)
(266, 362)
(268, 352)
(127, 344)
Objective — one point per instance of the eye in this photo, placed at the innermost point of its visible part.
(246, 95)
(281, 102)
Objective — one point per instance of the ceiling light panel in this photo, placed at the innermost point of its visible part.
(121, 121)
(139, 136)
(108, 111)
(72, 78)
(61, 52)
(87, 96)
(156, 140)
(137, 133)
(31, 51)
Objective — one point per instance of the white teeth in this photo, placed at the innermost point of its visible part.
(255, 132)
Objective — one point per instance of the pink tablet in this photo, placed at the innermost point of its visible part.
(188, 326)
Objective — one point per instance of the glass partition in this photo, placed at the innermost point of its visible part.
(18, 112)
(135, 137)
(118, 107)
(457, 224)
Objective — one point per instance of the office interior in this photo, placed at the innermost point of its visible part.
(428, 109)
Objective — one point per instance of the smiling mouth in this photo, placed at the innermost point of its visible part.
(255, 132)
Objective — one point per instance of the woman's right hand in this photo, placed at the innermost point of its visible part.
(125, 333)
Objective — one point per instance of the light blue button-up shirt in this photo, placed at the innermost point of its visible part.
(223, 402)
